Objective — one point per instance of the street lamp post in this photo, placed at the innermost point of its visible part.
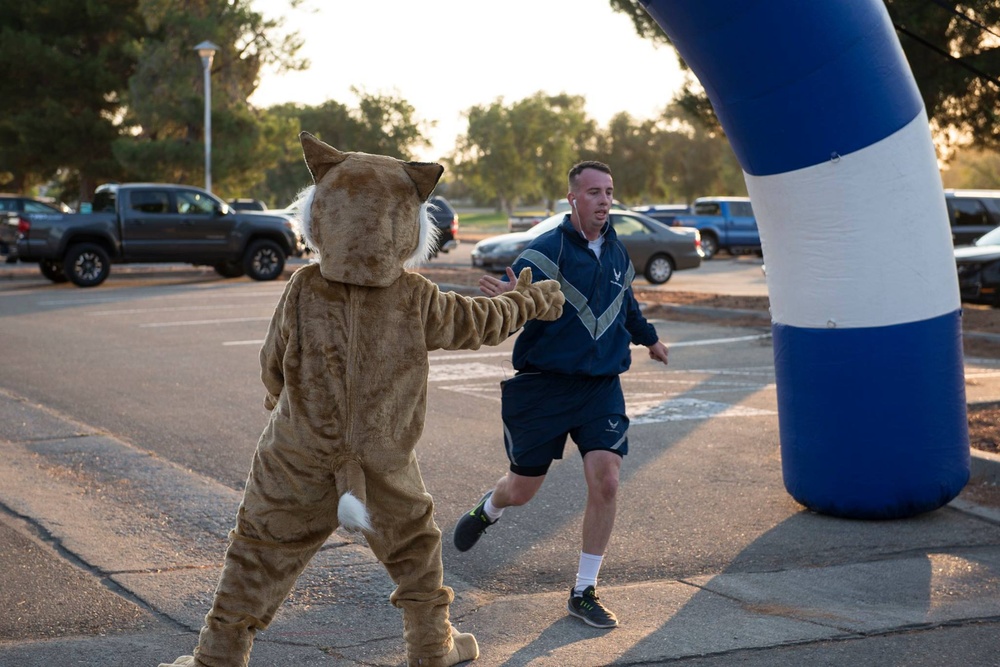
(207, 52)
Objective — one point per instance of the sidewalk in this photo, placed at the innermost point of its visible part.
(119, 552)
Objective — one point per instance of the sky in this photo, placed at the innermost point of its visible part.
(445, 56)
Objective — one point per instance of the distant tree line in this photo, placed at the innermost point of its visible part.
(112, 91)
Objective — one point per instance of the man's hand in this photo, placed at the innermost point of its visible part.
(493, 286)
(658, 352)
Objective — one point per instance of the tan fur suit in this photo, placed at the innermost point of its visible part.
(345, 367)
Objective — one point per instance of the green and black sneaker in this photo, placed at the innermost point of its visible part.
(587, 607)
(472, 524)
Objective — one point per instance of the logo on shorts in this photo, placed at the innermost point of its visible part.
(614, 425)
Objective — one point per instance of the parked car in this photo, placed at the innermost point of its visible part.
(156, 222)
(972, 213)
(655, 249)
(11, 206)
(979, 270)
(665, 213)
(444, 216)
(245, 204)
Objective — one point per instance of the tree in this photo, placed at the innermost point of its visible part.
(670, 158)
(522, 152)
(63, 65)
(383, 124)
(954, 54)
(166, 95)
(112, 90)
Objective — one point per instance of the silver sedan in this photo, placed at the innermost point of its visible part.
(655, 249)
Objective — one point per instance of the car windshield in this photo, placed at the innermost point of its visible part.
(990, 238)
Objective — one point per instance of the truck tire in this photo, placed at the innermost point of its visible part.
(659, 269)
(87, 264)
(229, 269)
(264, 260)
(53, 270)
(709, 245)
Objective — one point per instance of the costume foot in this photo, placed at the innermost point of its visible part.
(588, 608)
(183, 661)
(465, 648)
(472, 525)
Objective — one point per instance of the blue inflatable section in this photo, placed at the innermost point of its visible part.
(817, 96)
(884, 452)
(826, 78)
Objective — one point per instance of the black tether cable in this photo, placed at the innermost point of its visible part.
(950, 8)
(957, 61)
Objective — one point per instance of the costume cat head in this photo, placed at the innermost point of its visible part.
(366, 216)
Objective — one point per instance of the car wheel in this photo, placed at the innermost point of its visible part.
(229, 269)
(265, 260)
(53, 270)
(87, 264)
(709, 245)
(659, 269)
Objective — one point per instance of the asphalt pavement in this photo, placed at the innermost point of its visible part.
(132, 590)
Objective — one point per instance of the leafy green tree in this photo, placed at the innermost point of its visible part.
(953, 50)
(487, 159)
(631, 149)
(522, 152)
(696, 160)
(670, 158)
(383, 124)
(63, 65)
(166, 94)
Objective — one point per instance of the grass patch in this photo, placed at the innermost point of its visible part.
(483, 222)
(486, 219)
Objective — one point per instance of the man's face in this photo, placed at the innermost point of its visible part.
(591, 200)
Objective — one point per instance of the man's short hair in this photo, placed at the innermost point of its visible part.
(578, 168)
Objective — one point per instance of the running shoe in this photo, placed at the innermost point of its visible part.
(472, 525)
(587, 607)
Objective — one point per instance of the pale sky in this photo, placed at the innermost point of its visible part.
(444, 56)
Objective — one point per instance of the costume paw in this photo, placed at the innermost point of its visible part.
(548, 300)
(183, 661)
(545, 295)
(523, 280)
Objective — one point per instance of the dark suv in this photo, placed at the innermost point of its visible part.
(972, 213)
(444, 216)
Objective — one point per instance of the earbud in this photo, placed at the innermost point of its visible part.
(574, 204)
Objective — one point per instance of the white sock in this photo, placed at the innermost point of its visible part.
(586, 575)
(492, 511)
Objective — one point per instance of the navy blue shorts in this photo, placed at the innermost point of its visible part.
(540, 409)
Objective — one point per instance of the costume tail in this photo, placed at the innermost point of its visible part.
(351, 511)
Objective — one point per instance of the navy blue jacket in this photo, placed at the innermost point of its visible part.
(601, 316)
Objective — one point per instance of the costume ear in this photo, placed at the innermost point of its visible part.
(319, 157)
(425, 175)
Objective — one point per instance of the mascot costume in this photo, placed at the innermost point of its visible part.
(345, 367)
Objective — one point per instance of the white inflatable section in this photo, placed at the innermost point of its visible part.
(825, 270)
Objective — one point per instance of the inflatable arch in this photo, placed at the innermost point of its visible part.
(824, 115)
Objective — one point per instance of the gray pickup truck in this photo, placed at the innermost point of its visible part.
(155, 222)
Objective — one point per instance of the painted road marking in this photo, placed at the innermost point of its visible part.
(643, 409)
